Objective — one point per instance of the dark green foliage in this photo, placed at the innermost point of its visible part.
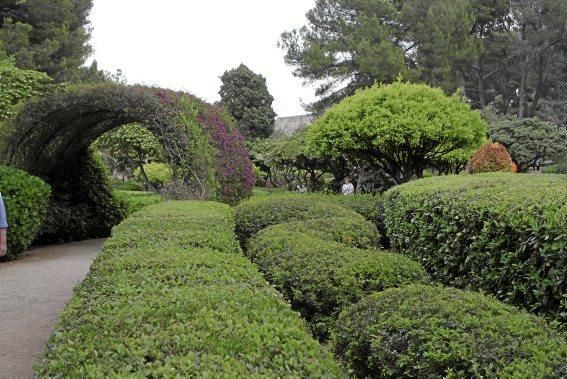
(529, 139)
(501, 233)
(49, 36)
(83, 206)
(246, 97)
(420, 331)
(133, 201)
(172, 295)
(258, 213)
(511, 51)
(557, 168)
(26, 199)
(321, 278)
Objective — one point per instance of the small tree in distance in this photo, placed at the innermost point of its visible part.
(245, 96)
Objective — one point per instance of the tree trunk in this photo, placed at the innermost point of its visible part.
(522, 93)
(149, 186)
(481, 97)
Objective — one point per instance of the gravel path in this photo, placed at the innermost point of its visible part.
(33, 292)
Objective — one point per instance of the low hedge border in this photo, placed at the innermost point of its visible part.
(133, 201)
(258, 213)
(26, 199)
(172, 295)
(321, 278)
(500, 233)
(422, 331)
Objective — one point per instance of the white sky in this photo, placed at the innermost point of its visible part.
(187, 44)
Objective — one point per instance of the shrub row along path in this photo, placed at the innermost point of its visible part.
(33, 292)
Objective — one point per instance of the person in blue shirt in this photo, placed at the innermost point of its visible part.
(3, 227)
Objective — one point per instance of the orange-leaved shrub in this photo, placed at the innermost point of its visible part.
(491, 157)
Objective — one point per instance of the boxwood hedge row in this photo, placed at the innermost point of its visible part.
(421, 331)
(171, 295)
(501, 233)
(260, 212)
(26, 199)
(319, 277)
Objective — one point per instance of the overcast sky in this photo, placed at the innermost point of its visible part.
(188, 44)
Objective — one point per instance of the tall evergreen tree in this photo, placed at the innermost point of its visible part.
(246, 97)
(50, 36)
(512, 51)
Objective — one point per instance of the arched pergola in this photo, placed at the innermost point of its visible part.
(51, 135)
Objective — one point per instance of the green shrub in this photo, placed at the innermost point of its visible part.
(420, 331)
(260, 212)
(320, 278)
(26, 199)
(500, 233)
(133, 201)
(353, 232)
(171, 295)
(557, 168)
(82, 204)
(159, 174)
(125, 186)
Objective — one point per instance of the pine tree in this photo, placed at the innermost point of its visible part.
(245, 96)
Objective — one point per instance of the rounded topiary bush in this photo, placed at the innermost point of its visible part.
(433, 332)
(26, 199)
(353, 232)
(258, 213)
(321, 278)
(491, 157)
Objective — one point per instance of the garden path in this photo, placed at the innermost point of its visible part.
(33, 292)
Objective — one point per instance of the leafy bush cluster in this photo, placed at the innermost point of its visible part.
(82, 205)
(133, 201)
(557, 168)
(26, 199)
(158, 174)
(491, 157)
(321, 278)
(421, 331)
(320, 255)
(258, 213)
(18, 85)
(172, 295)
(500, 233)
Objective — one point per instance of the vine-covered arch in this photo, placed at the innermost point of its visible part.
(50, 137)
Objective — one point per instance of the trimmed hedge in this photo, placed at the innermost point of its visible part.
(557, 168)
(320, 278)
(172, 295)
(433, 332)
(258, 213)
(26, 199)
(133, 201)
(353, 232)
(500, 233)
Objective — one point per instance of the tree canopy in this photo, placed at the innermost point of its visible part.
(50, 36)
(486, 48)
(399, 128)
(246, 97)
(529, 139)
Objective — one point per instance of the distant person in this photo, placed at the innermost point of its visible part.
(3, 227)
(348, 188)
(538, 163)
